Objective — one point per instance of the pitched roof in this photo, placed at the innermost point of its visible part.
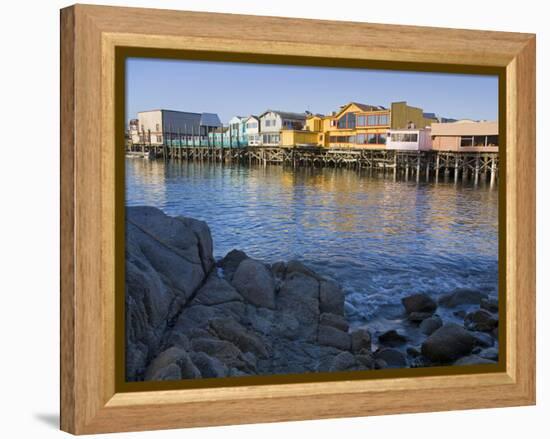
(286, 114)
(210, 120)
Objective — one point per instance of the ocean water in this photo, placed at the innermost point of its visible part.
(380, 237)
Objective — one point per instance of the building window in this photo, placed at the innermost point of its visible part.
(157, 127)
(159, 138)
(480, 140)
(347, 121)
(466, 141)
(362, 121)
(382, 139)
(404, 137)
(492, 140)
(372, 120)
(383, 119)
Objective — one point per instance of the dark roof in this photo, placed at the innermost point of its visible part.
(210, 120)
(286, 114)
(366, 107)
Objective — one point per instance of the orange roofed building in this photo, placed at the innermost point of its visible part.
(356, 126)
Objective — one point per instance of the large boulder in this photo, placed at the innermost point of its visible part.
(392, 358)
(230, 263)
(392, 338)
(361, 340)
(430, 325)
(331, 298)
(334, 320)
(167, 260)
(299, 296)
(448, 343)
(462, 296)
(480, 320)
(419, 303)
(331, 336)
(255, 283)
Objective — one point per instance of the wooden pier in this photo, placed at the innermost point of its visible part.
(456, 165)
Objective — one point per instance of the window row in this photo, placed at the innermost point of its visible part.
(404, 137)
(372, 120)
(467, 141)
(360, 139)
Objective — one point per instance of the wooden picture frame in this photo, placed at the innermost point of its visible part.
(91, 401)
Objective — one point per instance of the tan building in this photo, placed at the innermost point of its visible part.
(465, 136)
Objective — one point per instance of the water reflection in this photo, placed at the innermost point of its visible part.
(379, 236)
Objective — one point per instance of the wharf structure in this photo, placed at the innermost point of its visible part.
(401, 138)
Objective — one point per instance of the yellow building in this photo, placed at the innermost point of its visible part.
(356, 126)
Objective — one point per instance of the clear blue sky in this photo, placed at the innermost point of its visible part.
(241, 89)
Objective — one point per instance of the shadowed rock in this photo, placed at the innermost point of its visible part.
(255, 283)
(419, 303)
(462, 296)
(480, 320)
(392, 338)
(448, 343)
(430, 325)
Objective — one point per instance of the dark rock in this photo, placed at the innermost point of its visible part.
(448, 343)
(489, 354)
(482, 339)
(297, 267)
(392, 338)
(278, 269)
(343, 361)
(230, 262)
(392, 357)
(360, 340)
(430, 325)
(331, 336)
(489, 304)
(472, 360)
(245, 340)
(299, 297)
(335, 320)
(366, 359)
(173, 363)
(380, 364)
(462, 296)
(419, 316)
(204, 237)
(217, 291)
(255, 283)
(413, 352)
(331, 298)
(209, 367)
(480, 320)
(460, 313)
(419, 303)
(167, 260)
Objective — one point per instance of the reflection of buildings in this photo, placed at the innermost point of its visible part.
(466, 136)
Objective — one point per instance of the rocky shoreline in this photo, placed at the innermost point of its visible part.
(189, 316)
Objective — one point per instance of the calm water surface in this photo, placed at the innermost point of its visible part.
(380, 239)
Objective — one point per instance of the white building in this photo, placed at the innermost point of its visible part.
(409, 139)
(159, 127)
(272, 122)
(252, 130)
